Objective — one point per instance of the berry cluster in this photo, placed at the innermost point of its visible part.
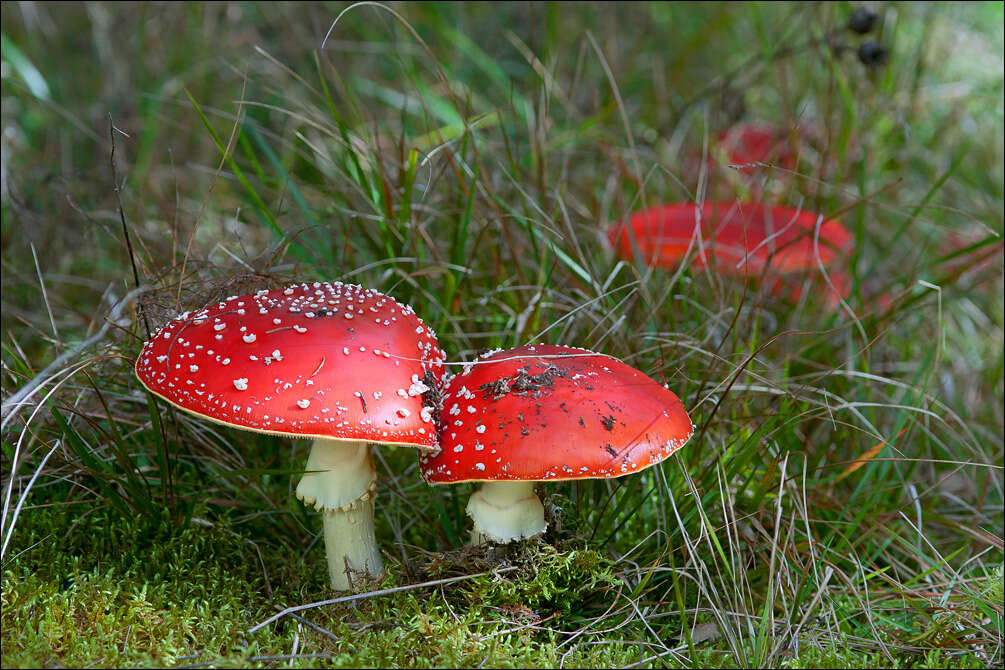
(864, 20)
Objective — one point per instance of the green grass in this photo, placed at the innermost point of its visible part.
(466, 159)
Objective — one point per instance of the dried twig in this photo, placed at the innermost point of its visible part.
(373, 594)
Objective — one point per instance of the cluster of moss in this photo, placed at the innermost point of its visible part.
(113, 591)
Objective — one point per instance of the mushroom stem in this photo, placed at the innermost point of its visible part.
(504, 511)
(351, 545)
(341, 480)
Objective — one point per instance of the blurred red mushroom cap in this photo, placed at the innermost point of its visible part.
(739, 238)
(747, 143)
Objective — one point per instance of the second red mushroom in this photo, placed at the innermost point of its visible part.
(547, 413)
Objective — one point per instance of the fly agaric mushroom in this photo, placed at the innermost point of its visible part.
(547, 413)
(334, 362)
(739, 238)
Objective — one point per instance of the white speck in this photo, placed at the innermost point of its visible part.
(417, 387)
(459, 448)
(193, 368)
(345, 350)
(471, 409)
(303, 404)
(226, 361)
(249, 338)
(480, 429)
(219, 326)
(161, 359)
(299, 329)
(241, 384)
(426, 414)
(479, 466)
(275, 355)
(403, 413)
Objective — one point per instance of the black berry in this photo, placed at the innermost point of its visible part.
(872, 54)
(863, 20)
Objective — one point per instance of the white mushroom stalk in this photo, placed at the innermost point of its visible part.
(340, 480)
(505, 511)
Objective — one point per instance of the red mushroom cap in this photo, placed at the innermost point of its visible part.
(742, 237)
(748, 143)
(553, 413)
(326, 360)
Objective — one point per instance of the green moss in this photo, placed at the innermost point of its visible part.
(124, 593)
(110, 591)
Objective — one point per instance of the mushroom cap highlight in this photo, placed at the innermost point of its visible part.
(544, 412)
(740, 238)
(321, 360)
